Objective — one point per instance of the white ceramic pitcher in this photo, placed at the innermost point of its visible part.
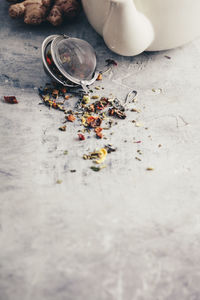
(130, 27)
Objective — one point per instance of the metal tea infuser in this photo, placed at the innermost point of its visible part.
(69, 61)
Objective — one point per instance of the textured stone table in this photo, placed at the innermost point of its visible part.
(122, 233)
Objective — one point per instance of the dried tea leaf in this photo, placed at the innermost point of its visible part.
(95, 169)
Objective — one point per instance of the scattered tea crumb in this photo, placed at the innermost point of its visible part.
(59, 181)
(137, 158)
(150, 169)
(135, 110)
(65, 152)
(62, 128)
(73, 171)
(137, 124)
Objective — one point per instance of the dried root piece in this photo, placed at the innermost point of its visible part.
(34, 11)
(61, 9)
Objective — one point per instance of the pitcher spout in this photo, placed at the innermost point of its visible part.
(127, 31)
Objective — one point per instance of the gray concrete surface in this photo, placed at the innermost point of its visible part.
(120, 234)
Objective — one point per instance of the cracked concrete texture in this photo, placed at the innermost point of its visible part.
(123, 233)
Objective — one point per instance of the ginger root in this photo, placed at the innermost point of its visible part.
(61, 9)
(37, 11)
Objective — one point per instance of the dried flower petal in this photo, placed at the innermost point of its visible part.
(93, 121)
(49, 61)
(81, 137)
(98, 131)
(71, 118)
(102, 156)
(99, 77)
(10, 99)
(86, 99)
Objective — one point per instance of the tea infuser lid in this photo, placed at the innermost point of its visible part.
(74, 58)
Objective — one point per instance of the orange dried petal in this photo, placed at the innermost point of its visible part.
(71, 118)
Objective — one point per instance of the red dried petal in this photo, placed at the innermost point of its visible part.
(48, 60)
(10, 99)
(81, 137)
